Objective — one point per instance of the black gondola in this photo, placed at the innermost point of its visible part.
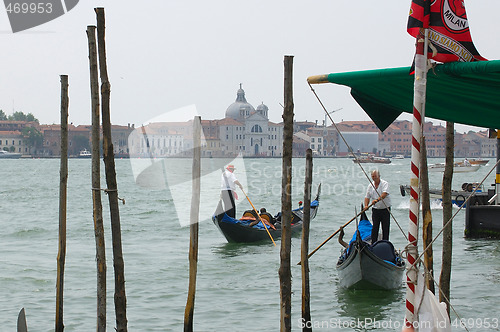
(370, 266)
(243, 230)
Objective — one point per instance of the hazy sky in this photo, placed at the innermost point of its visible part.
(164, 55)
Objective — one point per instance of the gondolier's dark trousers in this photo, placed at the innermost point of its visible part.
(229, 206)
(381, 216)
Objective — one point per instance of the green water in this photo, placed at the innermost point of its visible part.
(237, 285)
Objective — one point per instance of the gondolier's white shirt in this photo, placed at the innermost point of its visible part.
(231, 178)
(383, 187)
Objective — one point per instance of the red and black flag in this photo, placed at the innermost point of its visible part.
(419, 16)
(449, 35)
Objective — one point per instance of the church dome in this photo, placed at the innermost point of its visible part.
(240, 109)
(262, 108)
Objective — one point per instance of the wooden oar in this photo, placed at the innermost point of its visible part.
(258, 215)
(21, 322)
(338, 230)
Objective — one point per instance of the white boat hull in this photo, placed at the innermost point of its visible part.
(456, 168)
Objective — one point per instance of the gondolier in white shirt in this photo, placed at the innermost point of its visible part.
(228, 190)
(378, 193)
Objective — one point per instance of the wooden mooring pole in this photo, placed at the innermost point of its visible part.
(426, 217)
(285, 272)
(112, 190)
(96, 183)
(445, 276)
(63, 186)
(306, 305)
(193, 231)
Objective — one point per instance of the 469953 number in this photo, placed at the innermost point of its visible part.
(487, 323)
(32, 8)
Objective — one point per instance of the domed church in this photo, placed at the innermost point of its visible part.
(248, 131)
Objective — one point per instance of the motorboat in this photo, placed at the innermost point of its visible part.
(457, 168)
(9, 155)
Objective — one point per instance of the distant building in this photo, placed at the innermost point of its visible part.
(13, 141)
(244, 130)
(359, 142)
(80, 138)
(300, 145)
(7, 125)
(248, 131)
(488, 145)
(160, 139)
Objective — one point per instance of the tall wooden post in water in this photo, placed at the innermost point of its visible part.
(63, 185)
(194, 216)
(96, 183)
(306, 307)
(445, 277)
(426, 216)
(285, 272)
(112, 190)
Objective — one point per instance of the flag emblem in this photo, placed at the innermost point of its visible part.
(448, 26)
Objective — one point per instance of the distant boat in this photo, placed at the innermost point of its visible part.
(458, 197)
(457, 168)
(481, 162)
(398, 156)
(372, 159)
(9, 155)
(85, 154)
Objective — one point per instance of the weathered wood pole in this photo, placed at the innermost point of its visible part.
(306, 305)
(112, 190)
(445, 277)
(285, 272)
(96, 183)
(63, 187)
(427, 216)
(193, 231)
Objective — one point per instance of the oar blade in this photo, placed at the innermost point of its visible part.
(21, 322)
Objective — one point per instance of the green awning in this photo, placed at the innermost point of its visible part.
(460, 92)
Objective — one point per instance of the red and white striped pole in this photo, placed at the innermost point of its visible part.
(418, 121)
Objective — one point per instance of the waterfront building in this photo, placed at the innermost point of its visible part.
(159, 140)
(80, 138)
(488, 145)
(13, 141)
(248, 131)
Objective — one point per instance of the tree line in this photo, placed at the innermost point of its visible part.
(33, 137)
(18, 116)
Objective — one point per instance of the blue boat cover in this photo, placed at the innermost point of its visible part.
(244, 222)
(313, 204)
(365, 230)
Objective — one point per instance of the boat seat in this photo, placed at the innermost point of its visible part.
(384, 250)
(250, 214)
(268, 217)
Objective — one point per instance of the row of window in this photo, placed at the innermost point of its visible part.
(271, 147)
(255, 129)
(409, 139)
(319, 147)
(158, 143)
(13, 142)
(243, 137)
